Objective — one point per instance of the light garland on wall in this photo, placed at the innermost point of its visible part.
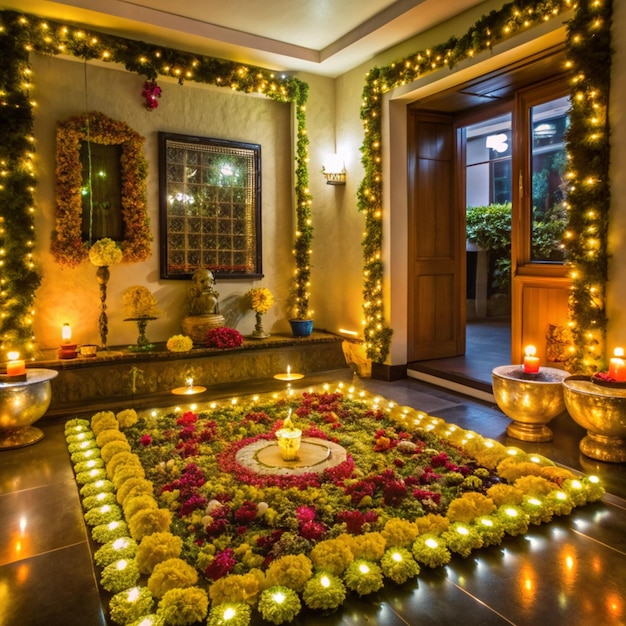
(588, 195)
(19, 278)
(589, 54)
(21, 34)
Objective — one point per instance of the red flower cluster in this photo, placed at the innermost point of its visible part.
(224, 338)
(222, 564)
(355, 520)
(151, 92)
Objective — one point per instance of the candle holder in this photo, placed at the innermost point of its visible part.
(143, 343)
(601, 411)
(189, 389)
(67, 351)
(23, 402)
(530, 400)
(289, 440)
(288, 375)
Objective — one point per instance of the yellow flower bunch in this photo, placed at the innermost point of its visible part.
(105, 252)
(179, 343)
(261, 299)
(140, 302)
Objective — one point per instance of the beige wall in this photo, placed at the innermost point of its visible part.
(71, 295)
(334, 125)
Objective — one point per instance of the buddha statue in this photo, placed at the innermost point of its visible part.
(202, 307)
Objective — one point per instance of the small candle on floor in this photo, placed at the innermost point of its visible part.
(617, 366)
(531, 362)
(289, 375)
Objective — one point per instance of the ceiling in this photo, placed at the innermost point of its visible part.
(326, 37)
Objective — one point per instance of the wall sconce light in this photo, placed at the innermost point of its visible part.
(334, 171)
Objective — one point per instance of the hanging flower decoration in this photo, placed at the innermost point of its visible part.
(261, 299)
(68, 246)
(151, 93)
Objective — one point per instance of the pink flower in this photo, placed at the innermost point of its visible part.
(146, 440)
(151, 93)
(305, 514)
(187, 418)
(355, 520)
(222, 564)
(246, 513)
(313, 531)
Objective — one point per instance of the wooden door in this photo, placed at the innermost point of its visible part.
(436, 285)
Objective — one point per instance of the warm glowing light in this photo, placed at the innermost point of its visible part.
(325, 581)
(229, 613)
(133, 594)
(278, 597)
(364, 569)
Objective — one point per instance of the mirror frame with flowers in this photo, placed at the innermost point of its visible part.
(69, 247)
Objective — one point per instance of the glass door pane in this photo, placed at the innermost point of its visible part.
(548, 123)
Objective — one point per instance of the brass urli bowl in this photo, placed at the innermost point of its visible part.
(530, 400)
(601, 410)
(21, 404)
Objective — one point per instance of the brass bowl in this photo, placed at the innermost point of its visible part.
(601, 411)
(21, 404)
(530, 400)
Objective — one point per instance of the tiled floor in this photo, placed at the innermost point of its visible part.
(571, 571)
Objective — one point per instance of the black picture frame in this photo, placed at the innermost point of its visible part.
(209, 207)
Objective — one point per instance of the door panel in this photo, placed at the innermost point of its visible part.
(436, 297)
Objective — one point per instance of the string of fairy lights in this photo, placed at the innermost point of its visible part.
(22, 34)
(589, 54)
(589, 59)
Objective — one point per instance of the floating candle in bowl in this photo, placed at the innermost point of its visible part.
(531, 362)
(617, 366)
(289, 438)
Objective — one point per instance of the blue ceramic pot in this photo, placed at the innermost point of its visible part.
(301, 328)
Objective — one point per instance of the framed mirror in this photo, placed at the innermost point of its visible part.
(209, 206)
(101, 189)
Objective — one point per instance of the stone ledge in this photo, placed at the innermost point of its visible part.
(137, 379)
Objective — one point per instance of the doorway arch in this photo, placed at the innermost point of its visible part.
(515, 52)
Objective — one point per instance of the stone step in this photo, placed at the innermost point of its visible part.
(123, 378)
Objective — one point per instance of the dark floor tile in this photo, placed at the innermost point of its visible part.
(549, 576)
(601, 522)
(435, 601)
(40, 520)
(57, 588)
(37, 464)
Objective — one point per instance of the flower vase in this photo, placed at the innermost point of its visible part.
(102, 276)
(143, 343)
(259, 332)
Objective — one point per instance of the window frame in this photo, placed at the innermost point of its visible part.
(521, 213)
